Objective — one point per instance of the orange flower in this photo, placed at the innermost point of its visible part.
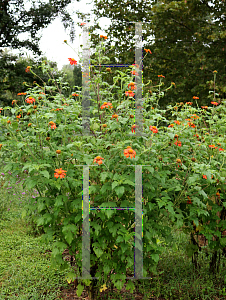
(206, 107)
(147, 50)
(72, 61)
(195, 116)
(171, 125)
(177, 122)
(9, 122)
(0, 109)
(18, 116)
(29, 124)
(161, 76)
(27, 69)
(204, 176)
(221, 149)
(130, 93)
(191, 125)
(129, 152)
(75, 94)
(153, 129)
(214, 103)
(53, 125)
(195, 97)
(82, 23)
(58, 151)
(212, 146)
(98, 160)
(106, 104)
(189, 103)
(60, 173)
(114, 116)
(132, 85)
(134, 73)
(30, 100)
(133, 127)
(102, 36)
(178, 143)
(14, 101)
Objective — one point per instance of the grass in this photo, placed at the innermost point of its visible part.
(24, 261)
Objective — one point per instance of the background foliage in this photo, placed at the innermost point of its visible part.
(188, 44)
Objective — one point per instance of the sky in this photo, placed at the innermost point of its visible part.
(52, 37)
(52, 41)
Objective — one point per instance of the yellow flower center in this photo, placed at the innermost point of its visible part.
(30, 97)
(130, 151)
(98, 157)
(59, 172)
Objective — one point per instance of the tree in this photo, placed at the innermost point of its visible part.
(14, 79)
(187, 48)
(14, 19)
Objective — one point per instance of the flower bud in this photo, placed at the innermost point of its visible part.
(193, 159)
(58, 151)
(48, 138)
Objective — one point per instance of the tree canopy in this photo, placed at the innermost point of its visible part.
(189, 44)
(15, 19)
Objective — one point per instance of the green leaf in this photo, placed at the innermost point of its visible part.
(69, 237)
(58, 201)
(124, 247)
(41, 206)
(40, 221)
(109, 213)
(45, 173)
(119, 285)
(120, 191)
(58, 185)
(114, 184)
(114, 229)
(130, 286)
(24, 213)
(223, 242)
(31, 183)
(155, 257)
(119, 239)
(98, 252)
(80, 289)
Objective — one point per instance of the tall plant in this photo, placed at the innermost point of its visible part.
(182, 161)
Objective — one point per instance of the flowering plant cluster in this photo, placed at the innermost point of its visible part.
(182, 168)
